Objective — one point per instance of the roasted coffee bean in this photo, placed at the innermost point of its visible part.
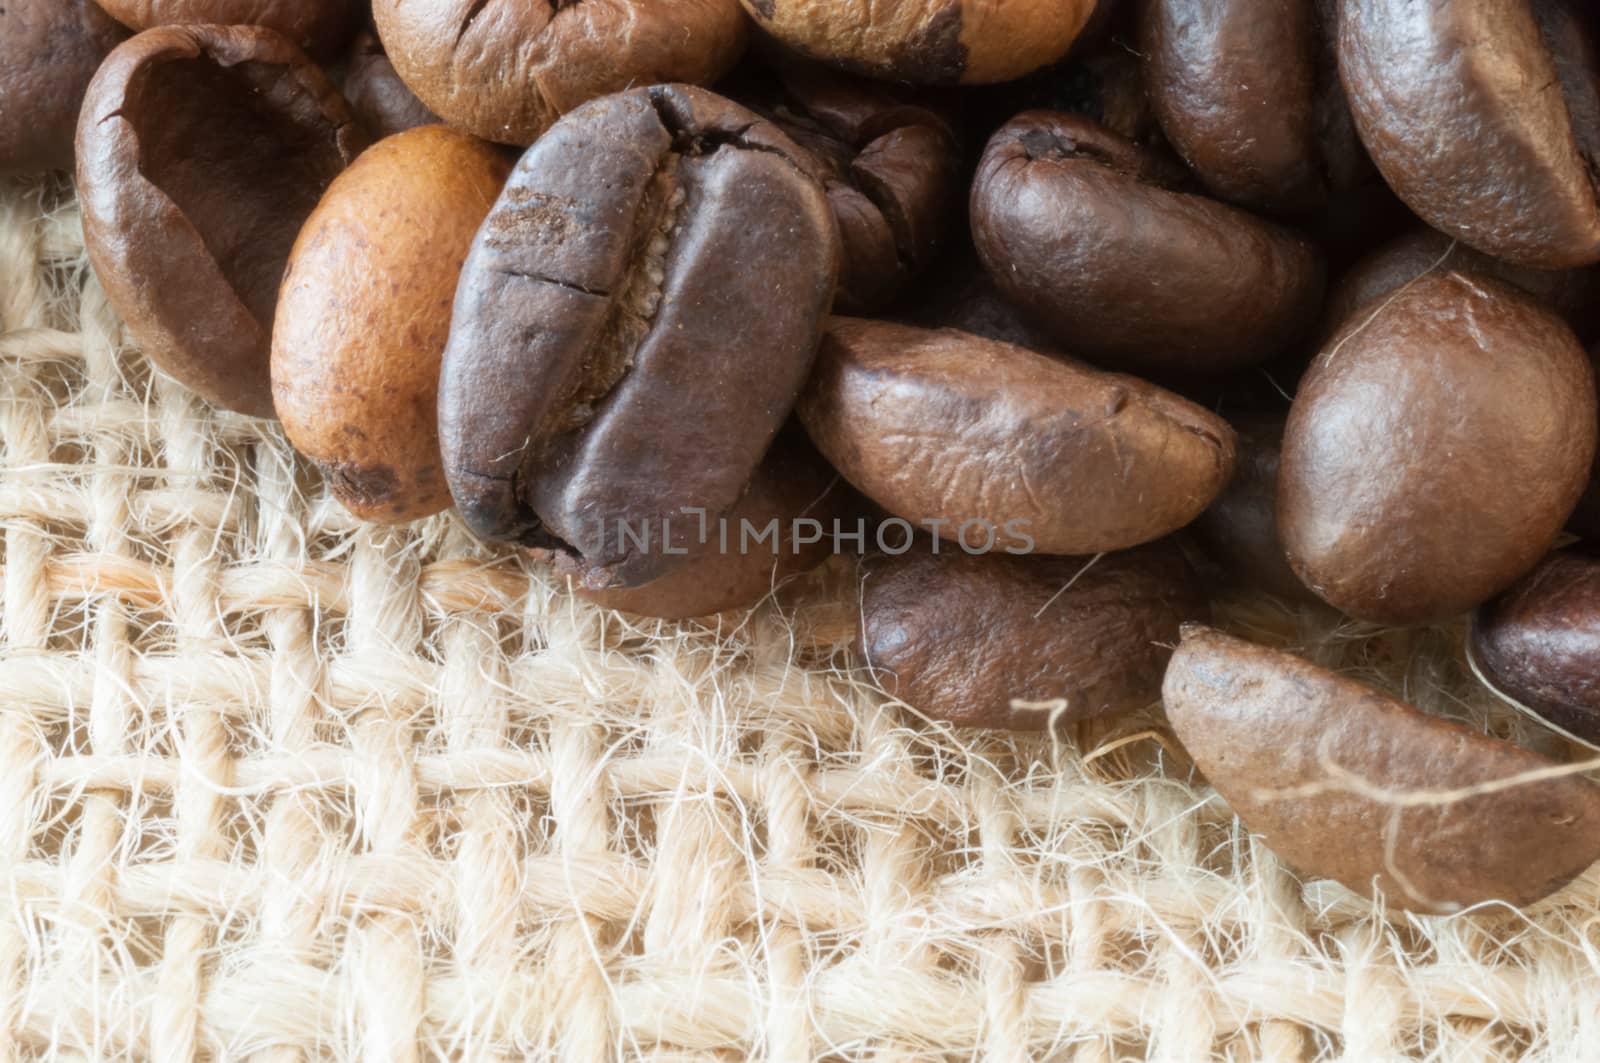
(1484, 115)
(1104, 81)
(201, 150)
(1007, 448)
(1435, 448)
(49, 50)
(1321, 766)
(633, 326)
(319, 26)
(1087, 232)
(781, 526)
(995, 640)
(937, 42)
(1248, 93)
(382, 101)
(365, 313)
(892, 171)
(1240, 529)
(1574, 293)
(1539, 643)
(507, 69)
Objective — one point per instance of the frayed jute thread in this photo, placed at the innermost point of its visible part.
(275, 785)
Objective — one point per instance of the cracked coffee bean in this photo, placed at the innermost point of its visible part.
(365, 312)
(201, 151)
(319, 26)
(1304, 757)
(1484, 115)
(1435, 449)
(1573, 293)
(992, 440)
(996, 640)
(1248, 93)
(935, 42)
(892, 171)
(1539, 643)
(730, 569)
(49, 51)
(1092, 236)
(382, 101)
(505, 70)
(633, 325)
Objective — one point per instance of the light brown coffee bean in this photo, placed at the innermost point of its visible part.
(991, 440)
(365, 313)
(996, 640)
(505, 70)
(945, 42)
(1345, 782)
(1435, 449)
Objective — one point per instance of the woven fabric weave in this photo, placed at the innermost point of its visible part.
(277, 785)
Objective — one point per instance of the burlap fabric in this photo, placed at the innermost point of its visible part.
(276, 785)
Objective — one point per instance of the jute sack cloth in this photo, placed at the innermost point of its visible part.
(276, 785)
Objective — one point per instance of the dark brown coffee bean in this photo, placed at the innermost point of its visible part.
(365, 312)
(1240, 529)
(201, 150)
(1086, 232)
(49, 49)
(1248, 93)
(1484, 115)
(1434, 450)
(382, 101)
(1320, 766)
(933, 42)
(633, 325)
(995, 640)
(995, 440)
(1104, 81)
(1539, 643)
(505, 70)
(1573, 293)
(781, 526)
(319, 26)
(892, 171)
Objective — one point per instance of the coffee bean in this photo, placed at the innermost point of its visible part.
(49, 49)
(1087, 232)
(1044, 455)
(319, 26)
(995, 640)
(365, 313)
(892, 171)
(1539, 643)
(1434, 450)
(505, 70)
(1484, 115)
(1321, 766)
(759, 545)
(201, 150)
(633, 325)
(1574, 293)
(964, 298)
(935, 42)
(1249, 95)
(1240, 529)
(380, 99)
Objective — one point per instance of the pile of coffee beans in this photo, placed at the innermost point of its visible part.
(1060, 316)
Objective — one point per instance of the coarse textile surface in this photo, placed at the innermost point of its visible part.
(276, 785)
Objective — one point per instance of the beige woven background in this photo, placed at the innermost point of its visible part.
(278, 786)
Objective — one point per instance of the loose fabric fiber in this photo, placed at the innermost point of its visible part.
(276, 785)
